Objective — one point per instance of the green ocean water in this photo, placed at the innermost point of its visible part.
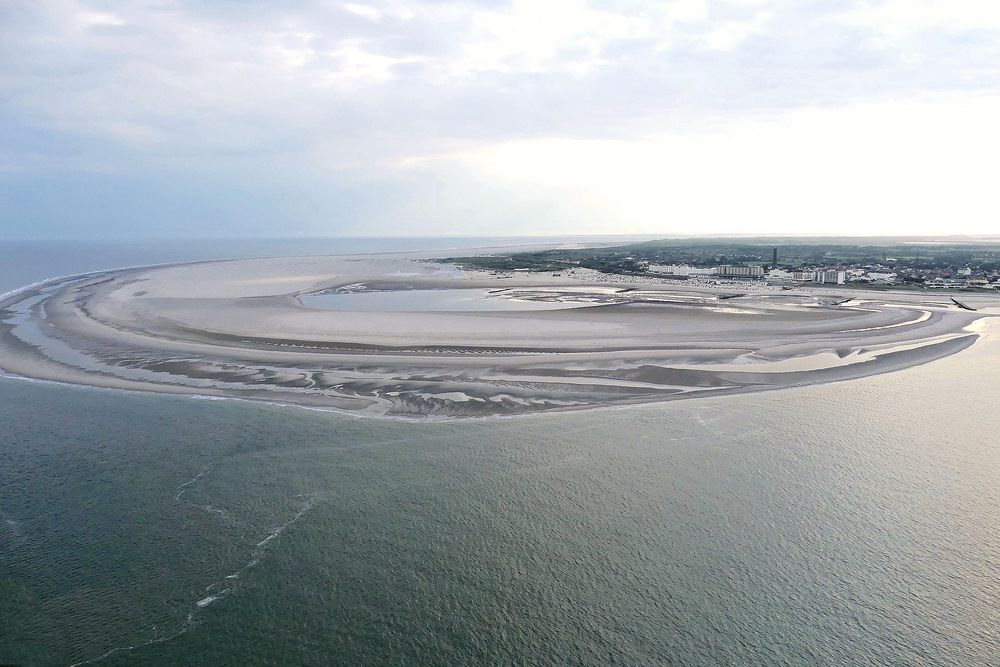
(854, 523)
(851, 523)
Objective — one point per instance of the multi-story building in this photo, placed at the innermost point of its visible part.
(681, 270)
(830, 277)
(736, 271)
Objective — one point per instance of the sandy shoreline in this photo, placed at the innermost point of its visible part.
(453, 343)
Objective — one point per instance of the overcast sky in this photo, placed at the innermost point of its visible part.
(166, 118)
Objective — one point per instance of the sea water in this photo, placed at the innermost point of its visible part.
(849, 523)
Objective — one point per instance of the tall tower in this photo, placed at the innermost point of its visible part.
(774, 257)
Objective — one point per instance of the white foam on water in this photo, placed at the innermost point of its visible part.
(256, 556)
(280, 529)
(194, 480)
(188, 624)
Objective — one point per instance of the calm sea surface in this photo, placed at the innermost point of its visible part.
(852, 523)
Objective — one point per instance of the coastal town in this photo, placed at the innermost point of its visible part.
(913, 266)
(886, 274)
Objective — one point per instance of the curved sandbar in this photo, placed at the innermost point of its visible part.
(395, 335)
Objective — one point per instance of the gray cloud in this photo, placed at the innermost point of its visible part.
(330, 93)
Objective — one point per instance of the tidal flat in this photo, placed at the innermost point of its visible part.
(399, 335)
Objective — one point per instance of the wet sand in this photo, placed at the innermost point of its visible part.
(401, 338)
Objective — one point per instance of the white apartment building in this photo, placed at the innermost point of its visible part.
(681, 270)
(830, 277)
(735, 271)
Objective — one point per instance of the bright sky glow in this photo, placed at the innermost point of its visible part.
(168, 118)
